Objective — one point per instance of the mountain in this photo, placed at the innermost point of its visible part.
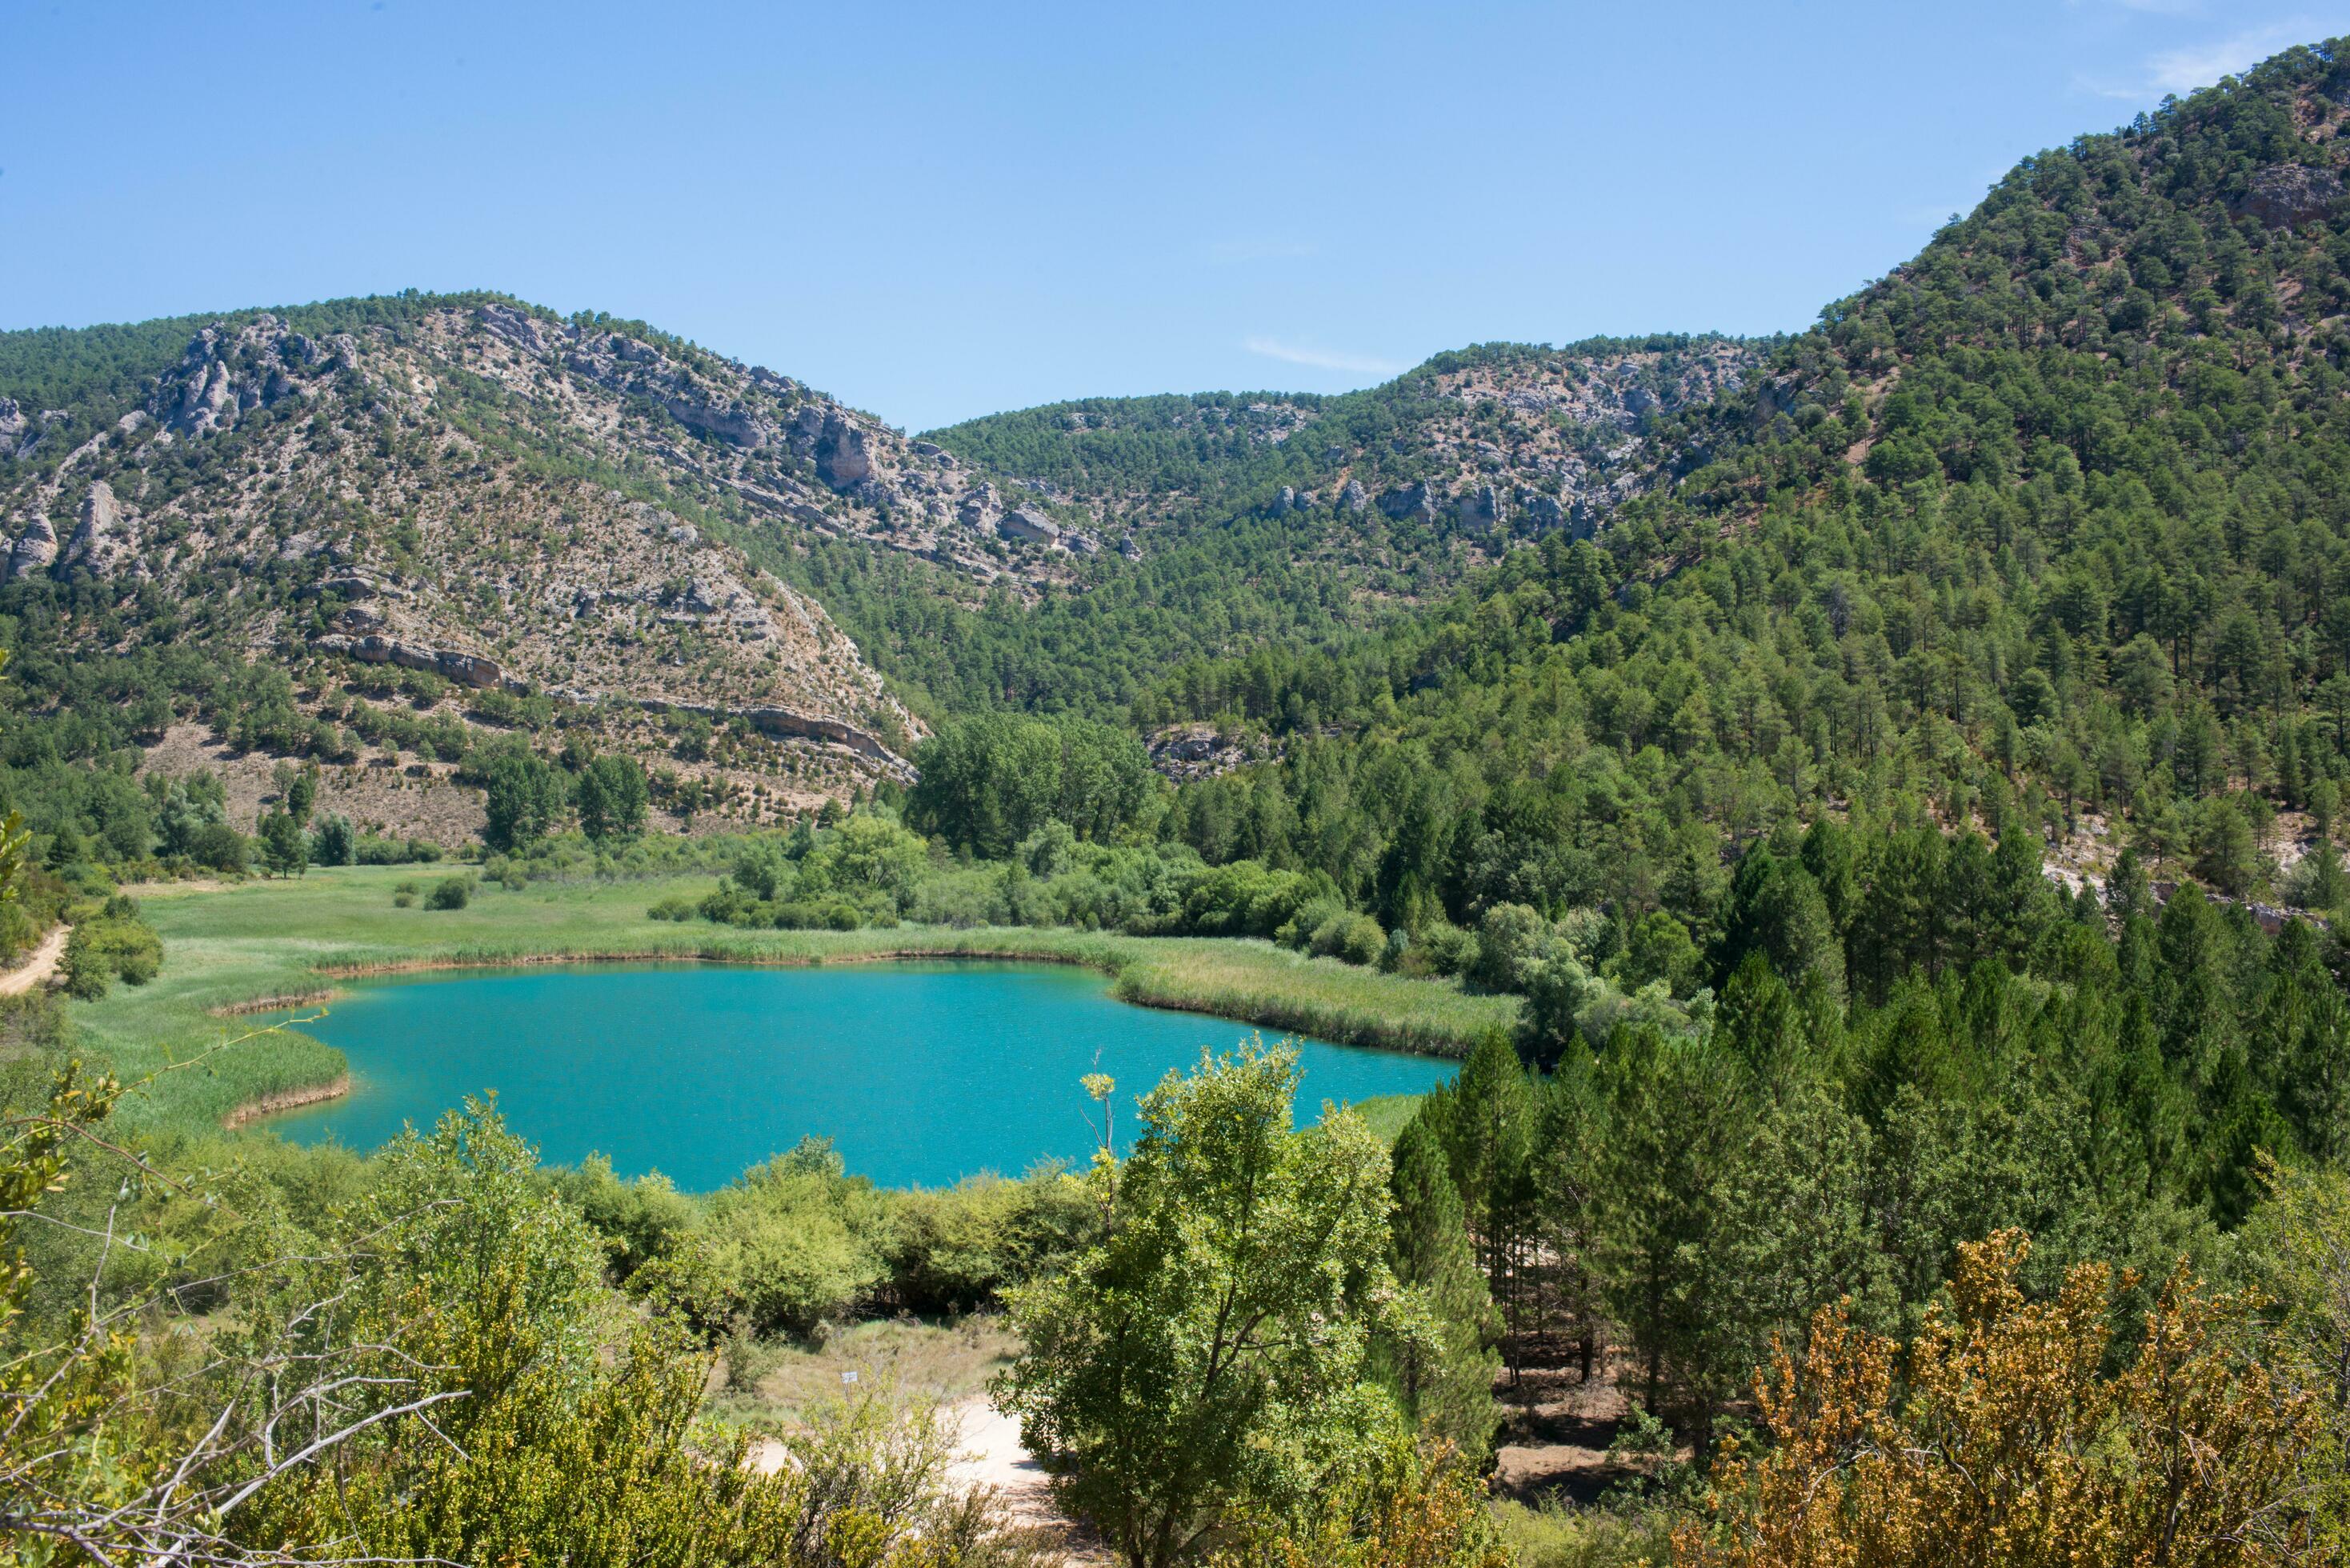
(442, 518)
(1256, 518)
(2046, 526)
(512, 512)
(2044, 523)
(1499, 440)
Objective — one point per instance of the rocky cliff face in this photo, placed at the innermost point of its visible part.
(799, 461)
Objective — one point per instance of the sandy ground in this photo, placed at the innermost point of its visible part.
(993, 1457)
(38, 968)
(173, 889)
(1556, 1433)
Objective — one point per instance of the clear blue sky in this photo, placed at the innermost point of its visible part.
(938, 212)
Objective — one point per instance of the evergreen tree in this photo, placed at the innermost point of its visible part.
(1488, 1127)
(284, 848)
(1673, 1109)
(1443, 1376)
(523, 794)
(611, 797)
(333, 842)
(2300, 1044)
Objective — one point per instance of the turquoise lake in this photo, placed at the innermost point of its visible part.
(920, 1073)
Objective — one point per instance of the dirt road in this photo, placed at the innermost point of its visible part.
(36, 969)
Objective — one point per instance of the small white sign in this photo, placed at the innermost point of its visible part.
(848, 1378)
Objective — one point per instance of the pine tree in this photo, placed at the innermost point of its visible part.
(284, 848)
(1489, 1141)
(1673, 1109)
(1444, 1376)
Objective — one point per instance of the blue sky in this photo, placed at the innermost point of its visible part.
(937, 211)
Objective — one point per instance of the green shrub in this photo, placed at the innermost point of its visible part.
(108, 944)
(791, 1244)
(640, 1222)
(1442, 948)
(219, 846)
(1354, 938)
(333, 842)
(959, 1249)
(676, 907)
(450, 893)
(85, 975)
(371, 850)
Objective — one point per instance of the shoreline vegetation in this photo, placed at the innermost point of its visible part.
(262, 946)
(286, 1100)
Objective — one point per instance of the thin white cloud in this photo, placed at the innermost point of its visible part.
(1322, 358)
(2182, 70)
(2201, 64)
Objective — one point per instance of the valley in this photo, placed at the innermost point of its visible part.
(1675, 947)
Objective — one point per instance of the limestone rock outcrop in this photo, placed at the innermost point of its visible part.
(2286, 195)
(1027, 524)
(105, 542)
(843, 457)
(1412, 502)
(34, 550)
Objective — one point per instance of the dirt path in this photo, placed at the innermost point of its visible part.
(993, 1457)
(37, 969)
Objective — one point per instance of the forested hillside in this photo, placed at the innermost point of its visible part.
(2051, 521)
(1266, 519)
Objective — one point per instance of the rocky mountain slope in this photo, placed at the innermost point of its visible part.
(501, 502)
(467, 511)
(1239, 521)
(2044, 528)
(1486, 444)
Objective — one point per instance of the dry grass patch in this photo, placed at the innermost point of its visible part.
(766, 1386)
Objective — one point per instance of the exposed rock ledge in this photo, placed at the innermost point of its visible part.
(473, 670)
(465, 668)
(784, 722)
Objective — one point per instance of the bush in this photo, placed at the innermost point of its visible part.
(960, 1248)
(333, 842)
(791, 1244)
(109, 944)
(1357, 938)
(676, 907)
(641, 1221)
(1511, 937)
(1445, 948)
(372, 850)
(218, 845)
(85, 975)
(450, 893)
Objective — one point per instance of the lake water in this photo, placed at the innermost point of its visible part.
(920, 1073)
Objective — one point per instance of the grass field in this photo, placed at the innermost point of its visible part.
(230, 947)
